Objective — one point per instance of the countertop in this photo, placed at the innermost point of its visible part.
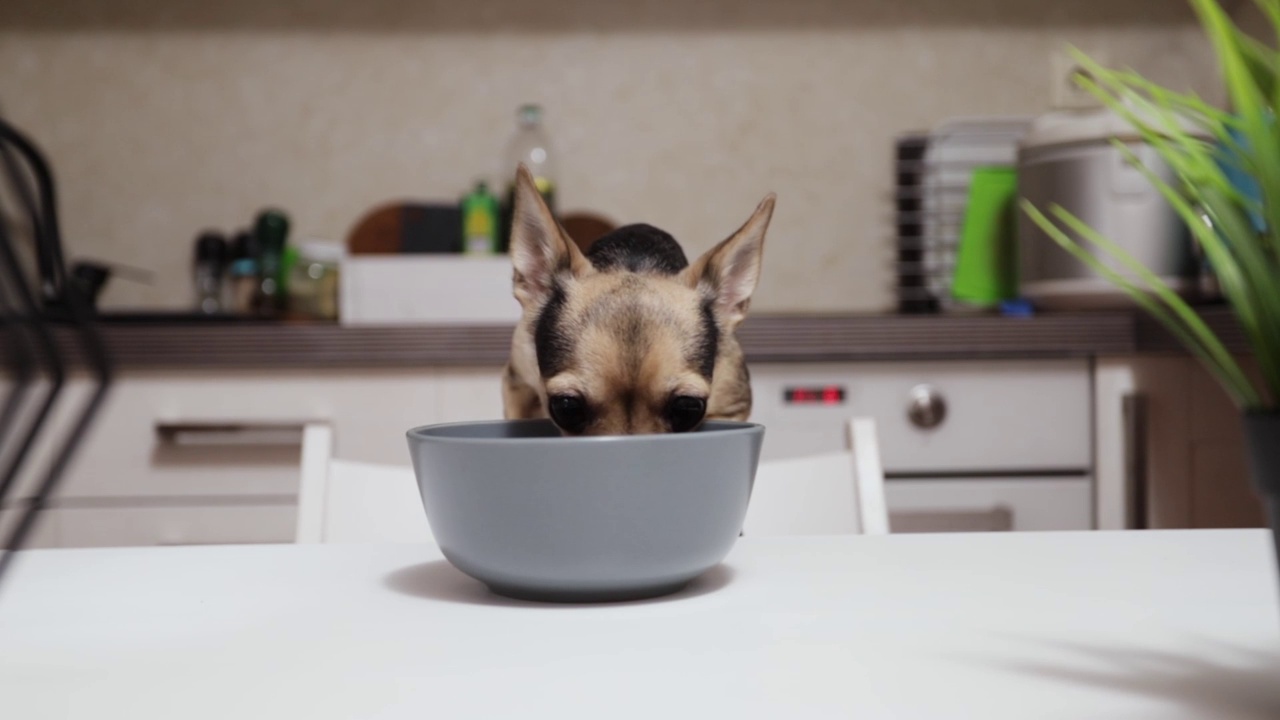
(764, 337)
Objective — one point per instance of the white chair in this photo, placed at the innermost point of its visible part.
(833, 493)
(341, 501)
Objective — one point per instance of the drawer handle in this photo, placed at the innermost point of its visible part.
(229, 433)
(1134, 408)
(926, 407)
(996, 519)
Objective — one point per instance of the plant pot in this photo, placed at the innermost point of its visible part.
(1262, 433)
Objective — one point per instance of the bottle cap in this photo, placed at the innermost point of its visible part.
(322, 251)
(239, 245)
(211, 248)
(271, 229)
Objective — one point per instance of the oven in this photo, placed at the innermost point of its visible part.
(966, 446)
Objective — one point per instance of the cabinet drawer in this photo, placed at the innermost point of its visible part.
(1018, 416)
(237, 433)
(989, 504)
(181, 525)
(184, 436)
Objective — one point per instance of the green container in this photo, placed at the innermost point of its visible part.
(986, 260)
(480, 221)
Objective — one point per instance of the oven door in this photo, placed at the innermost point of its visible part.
(989, 504)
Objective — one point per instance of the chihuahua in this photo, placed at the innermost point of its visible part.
(627, 338)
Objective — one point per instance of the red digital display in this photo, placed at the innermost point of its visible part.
(820, 395)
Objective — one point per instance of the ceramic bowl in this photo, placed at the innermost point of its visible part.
(538, 516)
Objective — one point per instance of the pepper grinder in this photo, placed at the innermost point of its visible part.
(210, 262)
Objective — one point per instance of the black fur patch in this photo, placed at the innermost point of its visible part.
(708, 343)
(633, 334)
(638, 248)
(551, 341)
(627, 400)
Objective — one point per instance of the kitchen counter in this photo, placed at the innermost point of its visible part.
(765, 338)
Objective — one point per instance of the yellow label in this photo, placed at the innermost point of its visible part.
(478, 222)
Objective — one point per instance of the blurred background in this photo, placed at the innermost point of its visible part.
(162, 119)
(291, 215)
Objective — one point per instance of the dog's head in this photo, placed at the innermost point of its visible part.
(631, 338)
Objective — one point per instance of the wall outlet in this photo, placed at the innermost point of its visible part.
(1064, 93)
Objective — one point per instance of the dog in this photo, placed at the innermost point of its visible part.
(628, 338)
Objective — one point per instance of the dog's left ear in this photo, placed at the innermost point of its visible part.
(728, 272)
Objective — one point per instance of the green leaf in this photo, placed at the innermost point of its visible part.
(1202, 149)
(1188, 316)
(1254, 107)
(1244, 273)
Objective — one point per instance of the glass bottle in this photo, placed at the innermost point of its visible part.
(531, 146)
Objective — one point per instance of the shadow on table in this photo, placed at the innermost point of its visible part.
(1248, 688)
(440, 581)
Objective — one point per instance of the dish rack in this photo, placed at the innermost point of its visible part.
(932, 173)
(37, 318)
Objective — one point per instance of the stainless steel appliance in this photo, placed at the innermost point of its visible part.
(1068, 158)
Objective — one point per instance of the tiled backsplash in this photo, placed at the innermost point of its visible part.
(164, 118)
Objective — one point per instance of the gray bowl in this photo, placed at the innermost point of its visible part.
(537, 516)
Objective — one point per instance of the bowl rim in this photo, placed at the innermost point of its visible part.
(422, 433)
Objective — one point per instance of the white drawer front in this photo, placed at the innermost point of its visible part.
(45, 534)
(183, 525)
(1000, 416)
(127, 454)
(232, 439)
(989, 504)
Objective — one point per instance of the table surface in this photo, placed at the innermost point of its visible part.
(1168, 624)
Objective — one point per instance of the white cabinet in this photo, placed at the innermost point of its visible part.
(990, 504)
(165, 524)
(213, 456)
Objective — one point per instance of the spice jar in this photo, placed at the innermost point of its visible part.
(313, 281)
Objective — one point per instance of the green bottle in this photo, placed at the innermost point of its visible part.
(271, 231)
(480, 221)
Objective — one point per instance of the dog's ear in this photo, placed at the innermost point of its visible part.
(540, 248)
(728, 272)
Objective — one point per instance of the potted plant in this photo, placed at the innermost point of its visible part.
(1227, 191)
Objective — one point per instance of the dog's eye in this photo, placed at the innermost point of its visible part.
(685, 412)
(569, 412)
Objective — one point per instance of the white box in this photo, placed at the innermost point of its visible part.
(426, 289)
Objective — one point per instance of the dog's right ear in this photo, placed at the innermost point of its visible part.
(540, 249)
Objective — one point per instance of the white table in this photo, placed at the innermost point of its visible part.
(1073, 625)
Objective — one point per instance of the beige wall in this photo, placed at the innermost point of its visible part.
(163, 121)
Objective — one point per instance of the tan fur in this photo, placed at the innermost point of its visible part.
(633, 332)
